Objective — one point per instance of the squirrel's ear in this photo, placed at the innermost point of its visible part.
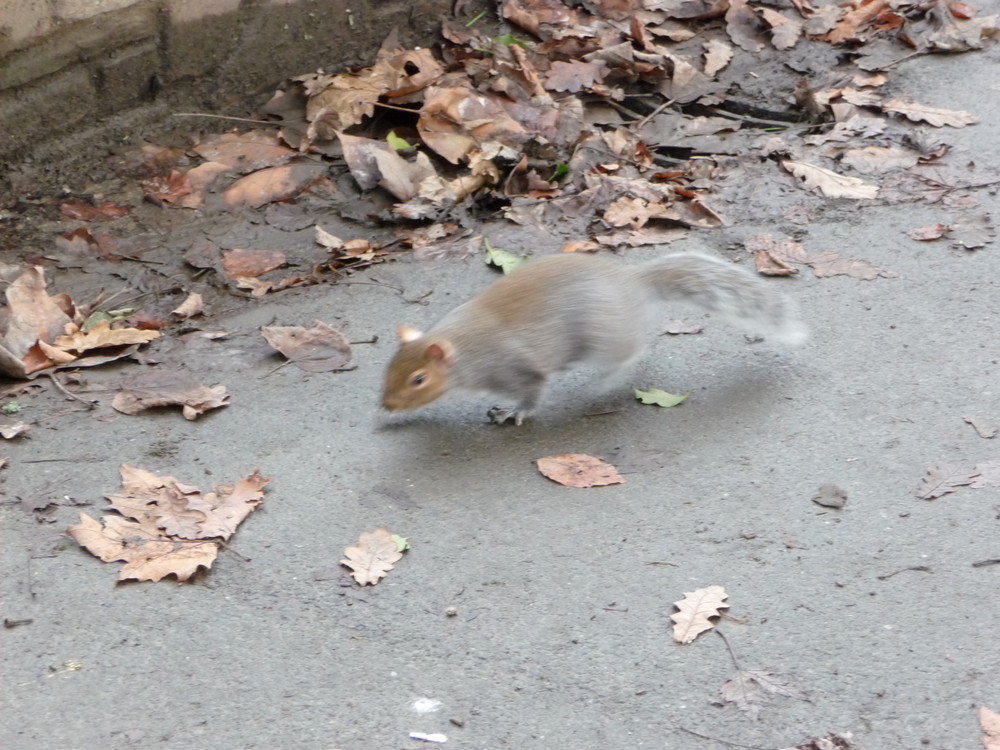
(439, 350)
(407, 334)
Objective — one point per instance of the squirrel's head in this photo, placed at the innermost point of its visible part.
(420, 371)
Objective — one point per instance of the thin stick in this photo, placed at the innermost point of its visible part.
(61, 387)
(226, 117)
(717, 739)
(641, 123)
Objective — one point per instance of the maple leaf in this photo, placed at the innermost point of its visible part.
(32, 315)
(749, 690)
(695, 611)
(973, 231)
(165, 387)
(321, 348)
(373, 557)
(943, 479)
(578, 470)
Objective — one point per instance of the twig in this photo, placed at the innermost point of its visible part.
(272, 123)
(271, 372)
(372, 340)
(641, 123)
(736, 662)
(919, 568)
(717, 739)
(984, 563)
(61, 387)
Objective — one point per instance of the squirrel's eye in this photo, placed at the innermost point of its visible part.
(418, 379)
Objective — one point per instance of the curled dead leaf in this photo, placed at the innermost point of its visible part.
(163, 387)
(321, 348)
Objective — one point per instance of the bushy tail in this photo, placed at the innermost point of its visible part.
(730, 291)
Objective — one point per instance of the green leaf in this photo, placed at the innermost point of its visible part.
(658, 397)
(11, 407)
(508, 39)
(396, 142)
(502, 259)
(561, 170)
(402, 543)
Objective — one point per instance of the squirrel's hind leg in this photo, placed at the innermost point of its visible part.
(529, 389)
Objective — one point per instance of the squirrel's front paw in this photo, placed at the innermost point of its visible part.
(500, 415)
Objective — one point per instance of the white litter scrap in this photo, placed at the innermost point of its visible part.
(428, 737)
(425, 705)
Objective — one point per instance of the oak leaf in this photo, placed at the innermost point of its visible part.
(373, 557)
(578, 470)
(695, 611)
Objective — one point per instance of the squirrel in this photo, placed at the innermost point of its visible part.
(563, 310)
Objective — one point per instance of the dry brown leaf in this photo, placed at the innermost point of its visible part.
(829, 183)
(103, 335)
(973, 231)
(771, 265)
(576, 75)
(988, 475)
(32, 315)
(241, 262)
(321, 348)
(244, 152)
(88, 212)
(785, 32)
(10, 430)
(193, 305)
(167, 189)
(272, 184)
(989, 722)
(147, 554)
(579, 470)
(943, 479)
(847, 28)
(163, 503)
(830, 263)
(835, 741)
(985, 428)
(931, 115)
(717, 56)
(879, 158)
(373, 558)
(162, 387)
(932, 232)
(750, 690)
(695, 611)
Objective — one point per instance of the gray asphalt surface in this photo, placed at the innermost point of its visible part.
(560, 636)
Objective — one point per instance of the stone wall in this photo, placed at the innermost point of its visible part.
(75, 71)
